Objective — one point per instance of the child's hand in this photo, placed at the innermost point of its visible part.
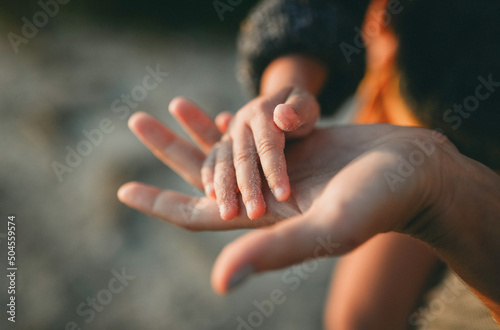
(341, 193)
(256, 135)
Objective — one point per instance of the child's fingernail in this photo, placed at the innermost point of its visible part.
(279, 193)
(209, 189)
(240, 276)
(224, 211)
(251, 207)
(287, 117)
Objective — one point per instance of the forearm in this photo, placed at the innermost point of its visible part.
(474, 250)
(466, 230)
(294, 71)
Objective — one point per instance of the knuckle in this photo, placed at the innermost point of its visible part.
(221, 166)
(242, 158)
(268, 146)
(265, 147)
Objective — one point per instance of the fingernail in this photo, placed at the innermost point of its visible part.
(279, 193)
(224, 211)
(209, 189)
(251, 206)
(288, 117)
(240, 276)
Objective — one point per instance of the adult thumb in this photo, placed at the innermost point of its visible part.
(284, 244)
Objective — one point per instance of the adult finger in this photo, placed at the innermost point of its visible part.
(225, 181)
(246, 165)
(175, 152)
(298, 114)
(195, 122)
(191, 213)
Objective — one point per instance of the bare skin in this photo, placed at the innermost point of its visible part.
(285, 108)
(371, 288)
(381, 269)
(340, 194)
(303, 77)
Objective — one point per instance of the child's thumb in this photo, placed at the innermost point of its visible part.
(298, 114)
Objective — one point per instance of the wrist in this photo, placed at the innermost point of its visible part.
(455, 189)
(472, 249)
(462, 222)
(467, 199)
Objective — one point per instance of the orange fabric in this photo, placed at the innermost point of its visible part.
(379, 90)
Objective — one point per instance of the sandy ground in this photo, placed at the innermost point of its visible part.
(72, 233)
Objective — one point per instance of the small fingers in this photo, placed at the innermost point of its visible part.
(246, 165)
(270, 144)
(298, 114)
(225, 181)
(196, 123)
(207, 172)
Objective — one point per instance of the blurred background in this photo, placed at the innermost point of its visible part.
(61, 79)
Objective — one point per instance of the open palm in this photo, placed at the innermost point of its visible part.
(345, 181)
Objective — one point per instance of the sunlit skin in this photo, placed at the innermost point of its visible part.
(296, 80)
(338, 193)
(285, 108)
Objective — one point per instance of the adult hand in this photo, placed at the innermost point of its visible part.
(348, 184)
